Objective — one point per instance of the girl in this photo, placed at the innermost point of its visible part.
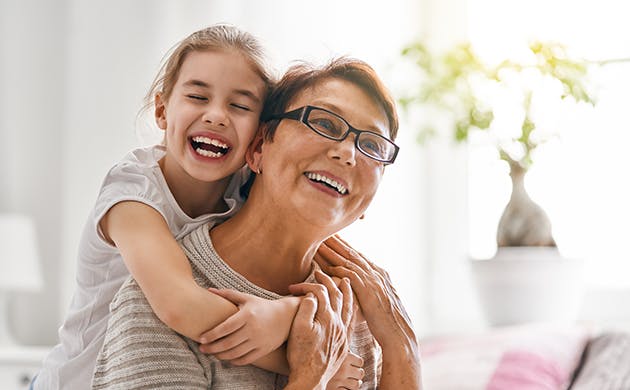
(208, 98)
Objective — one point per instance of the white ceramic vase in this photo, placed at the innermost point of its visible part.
(528, 284)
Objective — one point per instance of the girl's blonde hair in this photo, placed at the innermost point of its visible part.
(216, 37)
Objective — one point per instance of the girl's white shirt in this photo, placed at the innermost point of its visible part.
(100, 268)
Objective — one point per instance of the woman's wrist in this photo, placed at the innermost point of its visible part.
(402, 348)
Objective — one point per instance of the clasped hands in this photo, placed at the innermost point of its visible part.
(318, 338)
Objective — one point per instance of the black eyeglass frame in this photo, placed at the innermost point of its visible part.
(301, 114)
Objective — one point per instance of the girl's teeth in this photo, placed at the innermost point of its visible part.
(208, 153)
(210, 141)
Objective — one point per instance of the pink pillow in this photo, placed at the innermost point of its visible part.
(528, 357)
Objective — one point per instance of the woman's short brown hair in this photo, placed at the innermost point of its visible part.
(304, 75)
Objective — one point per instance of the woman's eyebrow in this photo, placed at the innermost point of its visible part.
(339, 111)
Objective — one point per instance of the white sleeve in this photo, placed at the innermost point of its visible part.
(128, 181)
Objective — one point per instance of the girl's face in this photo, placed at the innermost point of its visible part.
(327, 183)
(212, 114)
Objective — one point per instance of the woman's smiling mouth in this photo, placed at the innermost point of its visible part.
(331, 183)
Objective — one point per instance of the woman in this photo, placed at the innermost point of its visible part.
(316, 173)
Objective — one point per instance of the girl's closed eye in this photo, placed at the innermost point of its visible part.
(241, 106)
(197, 97)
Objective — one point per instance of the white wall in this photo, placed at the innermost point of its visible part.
(74, 74)
(32, 80)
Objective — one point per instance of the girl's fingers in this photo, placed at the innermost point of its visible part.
(236, 297)
(227, 327)
(248, 358)
(235, 352)
(224, 345)
(355, 361)
(349, 384)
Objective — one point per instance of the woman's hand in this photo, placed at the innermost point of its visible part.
(258, 328)
(382, 308)
(318, 342)
(376, 296)
(350, 374)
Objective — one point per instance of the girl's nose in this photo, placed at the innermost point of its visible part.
(216, 115)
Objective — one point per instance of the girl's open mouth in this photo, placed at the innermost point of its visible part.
(209, 147)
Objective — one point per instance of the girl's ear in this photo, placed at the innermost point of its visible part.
(253, 155)
(160, 111)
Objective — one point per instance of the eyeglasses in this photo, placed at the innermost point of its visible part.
(332, 126)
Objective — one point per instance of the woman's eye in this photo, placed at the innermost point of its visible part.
(371, 145)
(326, 125)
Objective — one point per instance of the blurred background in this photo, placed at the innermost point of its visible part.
(73, 75)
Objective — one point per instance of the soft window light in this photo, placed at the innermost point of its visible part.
(19, 264)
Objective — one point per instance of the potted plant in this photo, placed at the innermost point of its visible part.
(454, 84)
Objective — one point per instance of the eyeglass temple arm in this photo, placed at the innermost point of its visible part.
(296, 114)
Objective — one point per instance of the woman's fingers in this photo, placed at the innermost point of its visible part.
(334, 294)
(356, 275)
(319, 291)
(306, 312)
(347, 309)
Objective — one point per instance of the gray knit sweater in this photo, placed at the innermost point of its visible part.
(141, 352)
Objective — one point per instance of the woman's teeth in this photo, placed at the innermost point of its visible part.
(330, 182)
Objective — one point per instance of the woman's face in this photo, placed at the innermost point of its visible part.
(323, 182)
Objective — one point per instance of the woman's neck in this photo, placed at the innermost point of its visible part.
(194, 197)
(267, 249)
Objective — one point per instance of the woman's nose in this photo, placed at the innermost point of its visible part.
(216, 115)
(345, 152)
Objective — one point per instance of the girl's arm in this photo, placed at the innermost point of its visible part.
(161, 269)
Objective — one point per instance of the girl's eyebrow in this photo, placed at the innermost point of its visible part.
(245, 92)
(196, 83)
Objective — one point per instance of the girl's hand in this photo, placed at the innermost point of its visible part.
(350, 374)
(258, 328)
(380, 305)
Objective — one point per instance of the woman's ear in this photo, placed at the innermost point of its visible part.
(253, 155)
(160, 111)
